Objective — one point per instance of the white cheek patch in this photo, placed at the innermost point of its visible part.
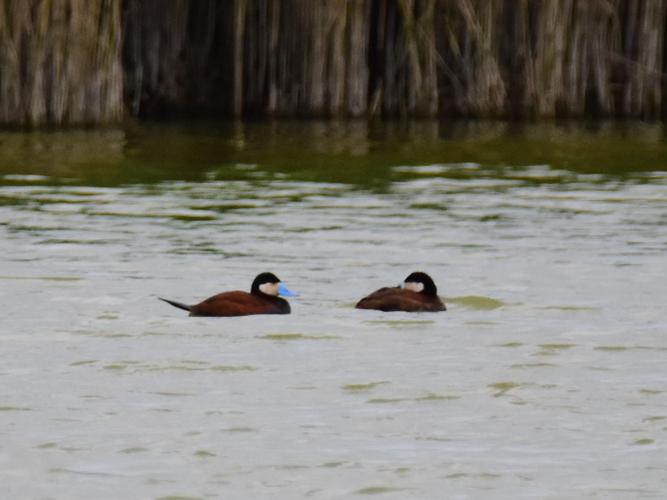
(413, 286)
(269, 288)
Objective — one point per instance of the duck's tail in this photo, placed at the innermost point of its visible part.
(180, 305)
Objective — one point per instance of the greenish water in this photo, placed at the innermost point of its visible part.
(545, 377)
(354, 153)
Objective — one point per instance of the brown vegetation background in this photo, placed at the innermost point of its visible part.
(97, 61)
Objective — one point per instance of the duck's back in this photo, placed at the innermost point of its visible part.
(238, 303)
(399, 299)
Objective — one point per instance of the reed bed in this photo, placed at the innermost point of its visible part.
(94, 61)
(60, 62)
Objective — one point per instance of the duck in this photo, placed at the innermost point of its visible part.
(417, 293)
(264, 298)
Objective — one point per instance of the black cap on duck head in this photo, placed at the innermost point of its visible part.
(421, 283)
(263, 279)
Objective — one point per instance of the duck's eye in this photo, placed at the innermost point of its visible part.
(413, 286)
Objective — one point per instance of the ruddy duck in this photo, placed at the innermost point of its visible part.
(417, 293)
(262, 299)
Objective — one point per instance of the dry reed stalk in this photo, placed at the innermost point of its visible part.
(642, 58)
(470, 58)
(60, 62)
(308, 58)
(155, 42)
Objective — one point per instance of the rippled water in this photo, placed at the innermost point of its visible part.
(547, 376)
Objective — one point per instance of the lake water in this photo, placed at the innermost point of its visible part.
(546, 377)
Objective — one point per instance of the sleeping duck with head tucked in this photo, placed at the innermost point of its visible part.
(264, 298)
(417, 293)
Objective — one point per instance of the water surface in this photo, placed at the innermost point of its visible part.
(545, 378)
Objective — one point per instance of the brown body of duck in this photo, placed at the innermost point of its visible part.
(262, 299)
(417, 293)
